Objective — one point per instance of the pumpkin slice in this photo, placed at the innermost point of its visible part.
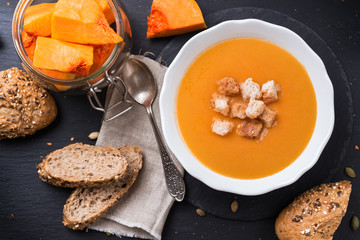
(172, 17)
(106, 9)
(37, 19)
(62, 56)
(81, 21)
(101, 54)
(27, 39)
(57, 74)
(29, 43)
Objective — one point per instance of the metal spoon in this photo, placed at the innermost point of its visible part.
(142, 88)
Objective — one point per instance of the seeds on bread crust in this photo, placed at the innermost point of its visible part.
(315, 214)
(81, 165)
(25, 107)
(86, 205)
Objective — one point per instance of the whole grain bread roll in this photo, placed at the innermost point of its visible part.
(315, 214)
(25, 107)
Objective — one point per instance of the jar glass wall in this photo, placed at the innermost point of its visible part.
(81, 84)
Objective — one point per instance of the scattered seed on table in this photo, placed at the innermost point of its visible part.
(356, 147)
(12, 216)
(355, 223)
(72, 139)
(94, 135)
(200, 212)
(49, 143)
(109, 234)
(350, 172)
(234, 206)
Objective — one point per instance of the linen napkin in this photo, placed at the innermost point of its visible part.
(143, 210)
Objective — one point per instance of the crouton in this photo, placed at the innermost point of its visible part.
(250, 89)
(220, 103)
(268, 117)
(269, 92)
(263, 133)
(237, 110)
(228, 86)
(255, 108)
(221, 127)
(249, 128)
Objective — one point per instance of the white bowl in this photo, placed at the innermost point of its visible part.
(279, 36)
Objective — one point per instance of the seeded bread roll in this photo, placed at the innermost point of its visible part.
(315, 214)
(86, 205)
(82, 165)
(25, 107)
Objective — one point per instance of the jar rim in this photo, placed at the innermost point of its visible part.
(17, 28)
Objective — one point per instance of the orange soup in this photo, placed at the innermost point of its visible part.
(232, 155)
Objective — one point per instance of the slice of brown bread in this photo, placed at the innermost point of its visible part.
(315, 214)
(82, 165)
(86, 205)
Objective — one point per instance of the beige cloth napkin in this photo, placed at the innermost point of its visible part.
(143, 210)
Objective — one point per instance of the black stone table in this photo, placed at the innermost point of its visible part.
(30, 209)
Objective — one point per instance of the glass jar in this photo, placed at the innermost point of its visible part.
(101, 78)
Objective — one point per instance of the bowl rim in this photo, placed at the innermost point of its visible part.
(324, 97)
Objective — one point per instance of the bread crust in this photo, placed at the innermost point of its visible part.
(60, 181)
(315, 214)
(25, 107)
(118, 190)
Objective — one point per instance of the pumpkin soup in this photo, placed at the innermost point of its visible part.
(232, 155)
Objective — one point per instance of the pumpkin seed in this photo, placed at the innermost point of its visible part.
(355, 223)
(234, 206)
(350, 172)
(200, 212)
(94, 135)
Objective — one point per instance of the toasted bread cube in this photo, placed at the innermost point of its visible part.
(263, 133)
(250, 89)
(268, 117)
(228, 86)
(255, 108)
(237, 110)
(221, 127)
(269, 92)
(220, 103)
(249, 128)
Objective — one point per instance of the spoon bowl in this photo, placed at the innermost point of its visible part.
(139, 81)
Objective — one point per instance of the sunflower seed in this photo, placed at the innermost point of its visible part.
(200, 212)
(94, 135)
(354, 223)
(350, 172)
(234, 206)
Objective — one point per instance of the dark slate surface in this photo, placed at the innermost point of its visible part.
(37, 207)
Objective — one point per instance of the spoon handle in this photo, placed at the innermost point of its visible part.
(174, 181)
